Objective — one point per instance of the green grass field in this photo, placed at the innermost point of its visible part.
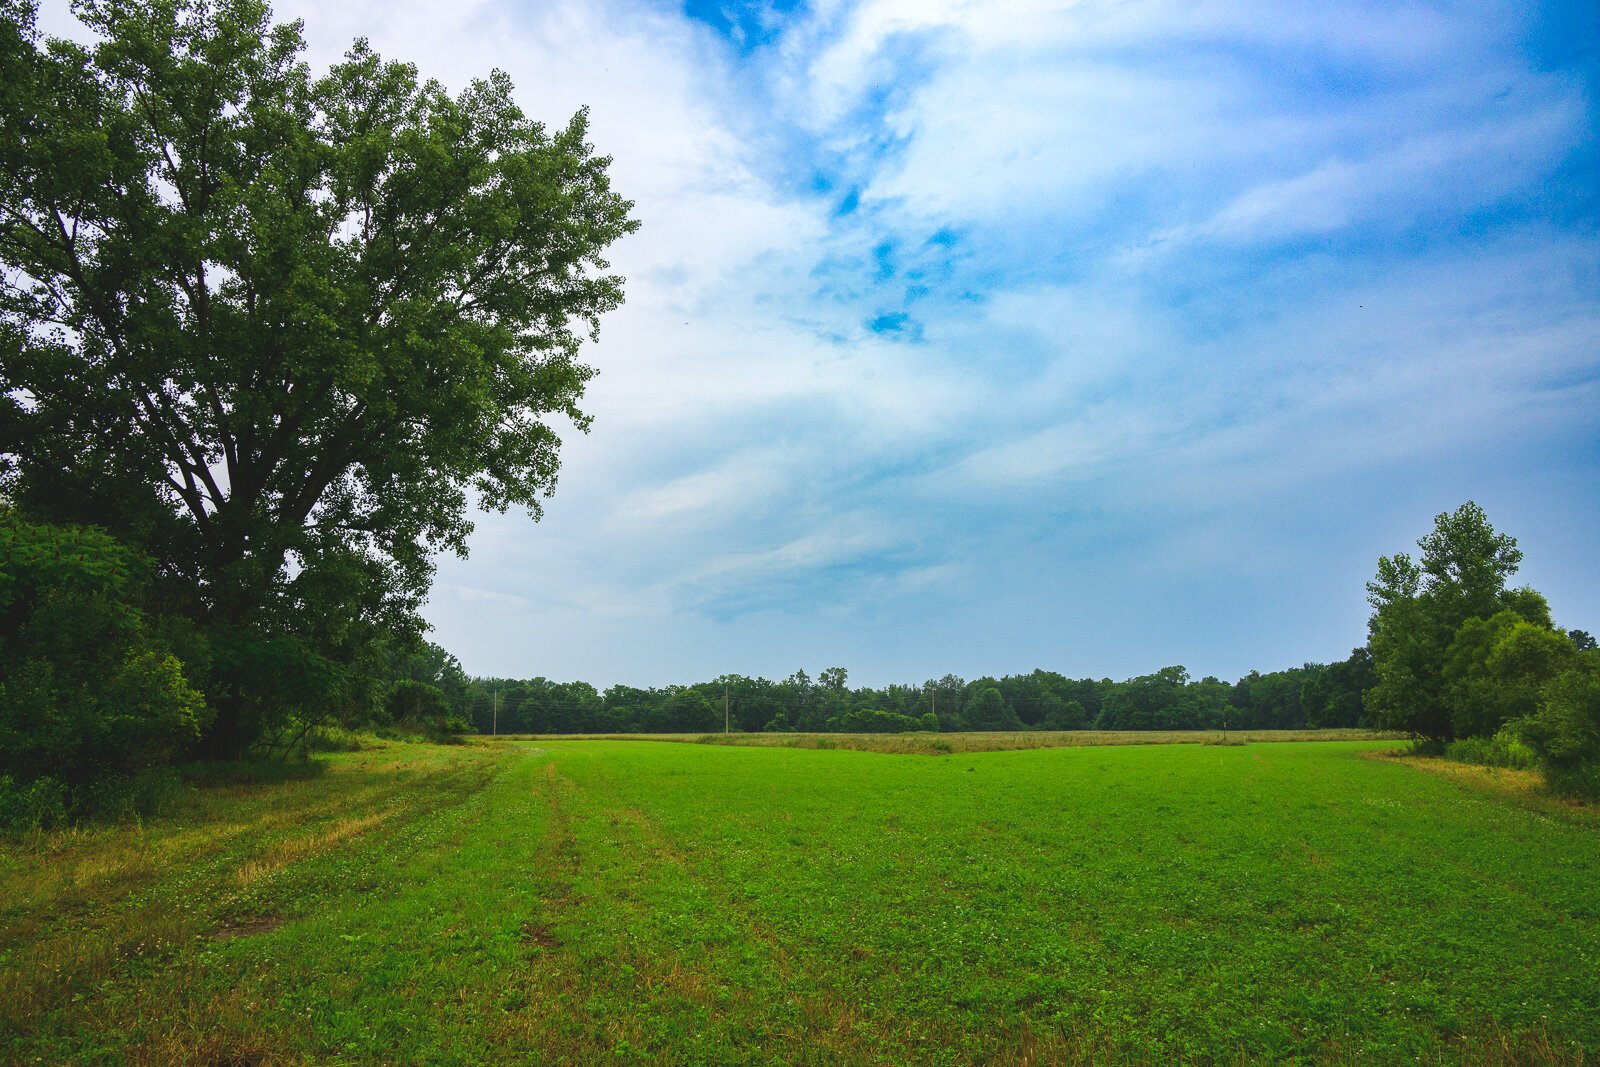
(635, 902)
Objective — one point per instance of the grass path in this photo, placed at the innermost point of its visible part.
(628, 902)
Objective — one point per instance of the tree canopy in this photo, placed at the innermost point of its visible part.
(278, 331)
(1457, 653)
(1419, 606)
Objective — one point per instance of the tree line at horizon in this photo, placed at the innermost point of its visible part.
(1312, 696)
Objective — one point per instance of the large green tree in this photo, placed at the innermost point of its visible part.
(1419, 607)
(277, 331)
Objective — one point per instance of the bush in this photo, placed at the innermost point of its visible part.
(39, 805)
(249, 772)
(1565, 731)
(88, 688)
(1504, 749)
(332, 739)
(125, 798)
(447, 731)
(1582, 780)
(875, 721)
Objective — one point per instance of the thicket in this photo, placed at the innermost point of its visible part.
(1477, 667)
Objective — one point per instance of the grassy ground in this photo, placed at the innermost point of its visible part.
(587, 902)
(939, 744)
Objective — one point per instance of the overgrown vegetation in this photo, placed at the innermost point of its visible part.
(1467, 662)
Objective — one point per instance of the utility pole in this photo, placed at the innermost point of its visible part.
(724, 709)
(495, 729)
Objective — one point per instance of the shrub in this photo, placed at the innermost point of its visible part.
(1565, 731)
(332, 739)
(1504, 749)
(124, 798)
(88, 688)
(876, 721)
(38, 805)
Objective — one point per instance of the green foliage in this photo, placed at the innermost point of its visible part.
(1069, 715)
(88, 688)
(986, 709)
(32, 806)
(127, 798)
(1504, 749)
(1565, 730)
(873, 721)
(416, 702)
(325, 738)
(1331, 695)
(1313, 695)
(1419, 614)
(273, 329)
(1495, 669)
(1164, 700)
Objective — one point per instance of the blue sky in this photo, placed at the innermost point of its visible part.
(1098, 337)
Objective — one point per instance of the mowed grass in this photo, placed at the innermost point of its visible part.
(629, 902)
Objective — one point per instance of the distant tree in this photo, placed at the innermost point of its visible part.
(428, 663)
(1067, 716)
(988, 710)
(1165, 700)
(1275, 700)
(805, 701)
(1331, 695)
(753, 701)
(1240, 700)
(833, 692)
(689, 711)
(417, 702)
(1418, 609)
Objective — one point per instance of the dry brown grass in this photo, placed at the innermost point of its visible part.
(1525, 788)
(293, 849)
